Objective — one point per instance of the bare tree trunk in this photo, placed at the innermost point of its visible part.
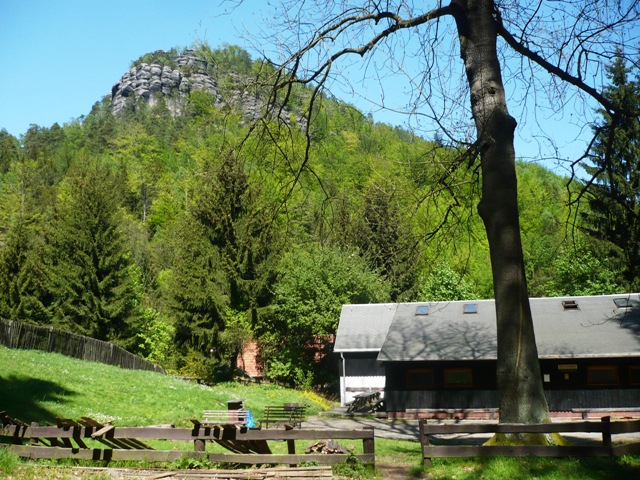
(520, 388)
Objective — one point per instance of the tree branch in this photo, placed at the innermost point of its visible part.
(554, 70)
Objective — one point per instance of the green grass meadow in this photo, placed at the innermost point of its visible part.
(38, 387)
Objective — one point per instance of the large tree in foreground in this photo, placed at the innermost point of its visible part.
(554, 48)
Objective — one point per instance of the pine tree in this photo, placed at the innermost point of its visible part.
(223, 261)
(93, 278)
(614, 199)
(23, 210)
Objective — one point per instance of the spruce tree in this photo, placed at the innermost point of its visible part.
(92, 277)
(223, 262)
(614, 203)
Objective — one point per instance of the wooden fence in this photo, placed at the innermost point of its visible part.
(89, 440)
(15, 334)
(605, 427)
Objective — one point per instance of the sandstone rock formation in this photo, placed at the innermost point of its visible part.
(187, 74)
(174, 84)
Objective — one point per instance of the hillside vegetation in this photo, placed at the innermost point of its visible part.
(181, 237)
(38, 387)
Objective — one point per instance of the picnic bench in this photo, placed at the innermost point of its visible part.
(363, 402)
(289, 415)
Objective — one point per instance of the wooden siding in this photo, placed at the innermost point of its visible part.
(567, 386)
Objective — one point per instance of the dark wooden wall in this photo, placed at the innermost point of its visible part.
(566, 389)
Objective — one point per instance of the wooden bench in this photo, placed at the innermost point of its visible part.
(586, 411)
(453, 413)
(234, 418)
(289, 415)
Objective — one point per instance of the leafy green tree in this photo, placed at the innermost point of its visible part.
(9, 150)
(140, 157)
(308, 295)
(23, 292)
(444, 283)
(95, 284)
(613, 195)
(579, 270)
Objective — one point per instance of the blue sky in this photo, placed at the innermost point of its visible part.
(59, 57)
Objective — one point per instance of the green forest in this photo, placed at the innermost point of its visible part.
(179, 237)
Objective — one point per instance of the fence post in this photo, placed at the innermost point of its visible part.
(368, 444)
(199, 445)
(424, 442)
(606, 433)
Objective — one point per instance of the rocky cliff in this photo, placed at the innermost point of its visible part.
(152, 81)
(187, 73)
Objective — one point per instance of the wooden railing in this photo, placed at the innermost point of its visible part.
(89, 440)
(605, 427)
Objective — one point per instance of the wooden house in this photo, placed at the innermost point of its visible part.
(442, 355)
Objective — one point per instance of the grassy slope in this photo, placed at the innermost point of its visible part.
(39, 386)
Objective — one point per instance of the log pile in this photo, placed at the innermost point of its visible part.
(327, 447)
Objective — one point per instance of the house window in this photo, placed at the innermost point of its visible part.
(457, 378)
(420, 378)
(623, 302)
(602, 376)
(569, 304)
(422, 310)
(470, 308)
(634, 375)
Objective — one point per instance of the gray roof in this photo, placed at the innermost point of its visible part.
(363, 328)
(597, 328)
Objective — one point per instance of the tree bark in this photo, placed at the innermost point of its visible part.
(520, 388)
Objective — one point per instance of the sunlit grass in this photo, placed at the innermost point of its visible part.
(534, 468)
(38, 386)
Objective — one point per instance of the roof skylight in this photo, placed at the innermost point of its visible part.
(623, 303)
(470, 308)
(570, 305)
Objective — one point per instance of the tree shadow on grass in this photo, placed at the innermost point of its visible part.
(21, 398)
(602, 468)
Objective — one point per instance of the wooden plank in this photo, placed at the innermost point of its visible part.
(515, 451)
(321, 459)
(102, 431)
(185, 434)
(626, 449)
(625, 427)
(305, 434)
(172, 455)
(449, 429)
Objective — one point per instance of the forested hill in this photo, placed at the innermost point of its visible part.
(158, 223)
